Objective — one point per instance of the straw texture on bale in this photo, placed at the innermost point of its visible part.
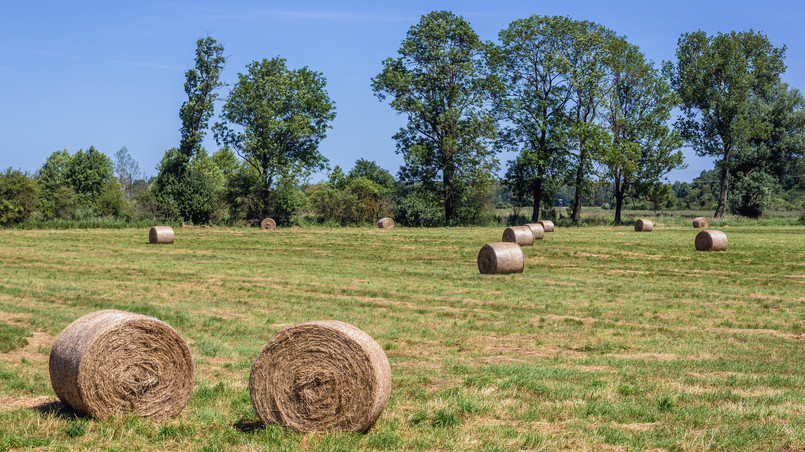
(547, 225)
(711, 240)
(321, 376)
(521, 235)
(700, 222)
(114, 362)
(385, 223)
(160, 234)
(643, 226)
(501, 258)
(268, 224)
(537, 230)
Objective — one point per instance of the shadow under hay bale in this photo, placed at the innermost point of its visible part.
(547, 225)
(521, 235)
(711, 240)
(537, 230)
(643, 226)
(268, 224)
(114, 362)
(321, 376)
(385, 223)
(501, 258)
(700, 222)
(160, 234)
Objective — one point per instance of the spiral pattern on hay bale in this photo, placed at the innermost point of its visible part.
(501, 258)
(547, 225)
(700, 222)
(160, 234)
(385, 223)
(521, 235)
(268, 224)
(537, 230)
(643, 226)
(711, 240)
(115, 362)
(321, 376)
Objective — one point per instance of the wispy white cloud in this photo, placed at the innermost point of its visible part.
(147, 64)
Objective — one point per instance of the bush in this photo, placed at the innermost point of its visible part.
(19, 196)
(750, 194)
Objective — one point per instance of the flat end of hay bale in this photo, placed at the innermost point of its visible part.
(160, 234)
(700, 222)
(268, 224)
(547, 225)
(643, 226)
(385, 223)
(114, 362)
(521, 235)
(321, 376)
(537, 230)
(501, 258)
(711, 240)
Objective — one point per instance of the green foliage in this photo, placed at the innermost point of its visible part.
(372, 171)
(413, 206)
(283, 115)
(110, 202)
(185, 190)
(349, 199)
(19, 195)
(440, 81)
(87, 173)
(200, 85)
(127, 170)
(750, 194)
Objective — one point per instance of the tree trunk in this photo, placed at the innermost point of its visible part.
(537, 194)
(725, 174)
(620, 191)
(449, 195)
(576, 216)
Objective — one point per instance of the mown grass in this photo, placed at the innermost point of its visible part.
(609, 339)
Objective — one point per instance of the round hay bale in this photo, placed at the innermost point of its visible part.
(160, 234)
(501, 258)
(521, 235)
(547, 225)
(114, 362)
(711, 240)
(537, 230)
(385, 223)
(700, 222)
(268, 224)
(643, 226)
(321, 376)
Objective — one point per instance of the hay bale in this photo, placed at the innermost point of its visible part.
(643, 226)
(321, 376)
(547, 225)
(160, 234)
(501, 258)
(114, 362)
(537, 230)
(700, 222)
(521, 235)
(385, 223)
(268, 224)
(711, 240)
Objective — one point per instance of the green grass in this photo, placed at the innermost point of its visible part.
(609, 339)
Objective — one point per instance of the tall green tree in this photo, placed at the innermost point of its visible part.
(200, 85)
(19, 195)
(87, 173)
(535, 61)
(716, 77)
(282, 115)
(643, 148)
(441, 82)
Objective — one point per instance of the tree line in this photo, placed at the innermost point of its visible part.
(581, 108)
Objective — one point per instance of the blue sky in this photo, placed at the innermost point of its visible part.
(111, 73)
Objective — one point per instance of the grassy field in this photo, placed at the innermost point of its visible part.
(610, 339)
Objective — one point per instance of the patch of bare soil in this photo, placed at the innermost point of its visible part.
(8, 403)
(647, 356)
(585, 320)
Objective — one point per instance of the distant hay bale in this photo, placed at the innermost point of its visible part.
(321, 376)
(268, 224)
(385, 223)
(711, 240)
(537, 230)
(501, 258)
(643, 226)
(547, 225)
(700, 222)
(160, 234)
(521, 235)
(114, 362)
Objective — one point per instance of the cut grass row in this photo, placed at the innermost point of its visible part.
(609, 337)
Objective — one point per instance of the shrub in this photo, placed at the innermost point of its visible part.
(19, 196)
